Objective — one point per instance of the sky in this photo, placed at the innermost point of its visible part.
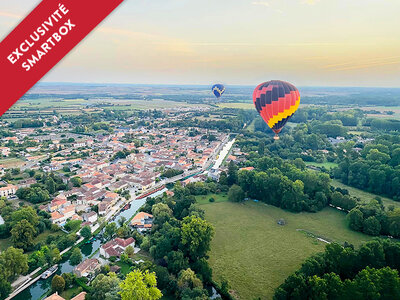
(306, 42)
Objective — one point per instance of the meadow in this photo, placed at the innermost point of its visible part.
(365, 196)
(256, 254)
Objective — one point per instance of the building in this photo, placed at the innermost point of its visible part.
(90, 217)
(8, 190)
(58, 218)
(116, 247)
(87, 267)
(56, 296)
(5, 151)
(142, 221)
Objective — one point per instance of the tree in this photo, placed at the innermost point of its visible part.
(372, 226)
(5, 286)
(196, 237)
(232, 173)
(188, 279)
(356, 218)
(129, 251)
(110, 230)
(68, 278)
(177, 261)
(73, 225)
(105, 287)
(86, 232)
(161, 213)
(121, 221)
(76, 257)
(299, 163)
(76, 181)
(57, 284)
(37, 195)
(56, 255)
(13, 262)
(25, 213)
(235, 193)
(261, 148)
(50, 185)
(22, 235)
(140, 285)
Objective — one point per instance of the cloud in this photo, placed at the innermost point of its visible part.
(10, 15)
(261, 3)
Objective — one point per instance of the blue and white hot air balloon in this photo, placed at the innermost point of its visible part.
(218, 90)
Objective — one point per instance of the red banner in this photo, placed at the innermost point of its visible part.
(42, 39)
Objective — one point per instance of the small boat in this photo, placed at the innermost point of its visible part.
(49, 272)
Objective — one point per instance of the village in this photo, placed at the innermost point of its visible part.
(97, 177)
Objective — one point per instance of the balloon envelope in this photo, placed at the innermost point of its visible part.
(276, 101)
(218, 90)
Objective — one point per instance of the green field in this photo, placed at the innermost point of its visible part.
(205, 199)
(250, 127)
(365, 196)
(256, 255)
(11, 162)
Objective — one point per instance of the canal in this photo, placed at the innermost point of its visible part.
(41, 287)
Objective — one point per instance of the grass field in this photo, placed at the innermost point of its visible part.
(41, 238)
(70, 293)
(205, 199)
(365, 196)
(256, 255)
(250, 127)
(11, 162)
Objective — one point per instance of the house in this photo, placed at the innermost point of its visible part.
(116, 247)
(26, 183)
(104, 207)
(56, 296)
(32, 149)
(58, 218)
(87, 267)
(90, 217)
(247, 169)
(8, 190)
(142, 221)
(5, 151)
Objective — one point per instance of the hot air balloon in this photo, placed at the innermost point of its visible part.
(276, 101)
(218, 90)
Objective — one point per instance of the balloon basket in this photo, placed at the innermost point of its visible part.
(276, 137)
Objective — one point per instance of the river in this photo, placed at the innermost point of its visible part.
(39, 288)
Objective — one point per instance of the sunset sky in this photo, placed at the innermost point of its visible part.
(306, 42)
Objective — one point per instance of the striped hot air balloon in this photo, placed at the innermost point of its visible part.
(276, 101)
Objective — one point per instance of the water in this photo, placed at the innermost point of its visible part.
(127, 214)
(36, 290)
(40, 287)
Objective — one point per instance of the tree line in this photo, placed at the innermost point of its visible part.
(370, 272)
